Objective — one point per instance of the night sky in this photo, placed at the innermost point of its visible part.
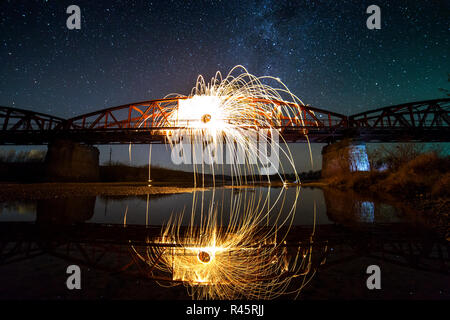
(129, 51)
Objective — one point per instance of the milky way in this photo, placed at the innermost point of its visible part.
(134, 50)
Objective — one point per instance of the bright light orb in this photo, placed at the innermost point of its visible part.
(206, 118)
(200, 112)
(204, 256)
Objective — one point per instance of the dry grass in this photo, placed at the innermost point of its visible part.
(425, 175)
(417, 177)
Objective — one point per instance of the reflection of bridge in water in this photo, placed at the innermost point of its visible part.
(107, 247)
(142, 122)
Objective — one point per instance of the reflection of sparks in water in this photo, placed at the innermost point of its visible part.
(260, 272)
(242, 255)
(247, 258)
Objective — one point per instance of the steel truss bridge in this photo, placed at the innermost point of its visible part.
(148, 122)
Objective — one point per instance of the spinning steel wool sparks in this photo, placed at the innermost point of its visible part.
(237, 253)
(236, 113)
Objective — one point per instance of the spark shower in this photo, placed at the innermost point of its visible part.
(237, 252)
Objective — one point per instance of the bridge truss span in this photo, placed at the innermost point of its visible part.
(416, 121)
(423, 114)
(13, 119)
(149, 121)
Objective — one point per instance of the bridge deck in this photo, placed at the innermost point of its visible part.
(141, 123)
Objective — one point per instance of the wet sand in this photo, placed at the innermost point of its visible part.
(35, 191)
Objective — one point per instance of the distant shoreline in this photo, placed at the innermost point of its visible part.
(51, 190)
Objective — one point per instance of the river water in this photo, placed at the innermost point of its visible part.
(345, 231)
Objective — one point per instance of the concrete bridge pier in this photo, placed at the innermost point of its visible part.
(68, 161)
(344, 157)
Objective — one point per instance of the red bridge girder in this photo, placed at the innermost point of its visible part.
(141, 122)
(155, 114)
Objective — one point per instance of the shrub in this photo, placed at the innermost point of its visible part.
(418, 176)
(441, 189)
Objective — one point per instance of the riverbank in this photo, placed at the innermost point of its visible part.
(36, 191)
(422, 183)
(52, 190)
